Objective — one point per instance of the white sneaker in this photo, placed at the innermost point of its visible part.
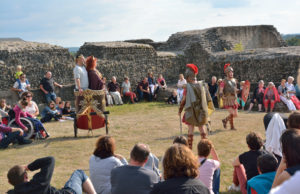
(233, 187)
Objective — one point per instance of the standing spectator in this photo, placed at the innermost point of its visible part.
(19, 72)
(258, 96)
(40, 183)
(290, 163)
(102, 162)
(109, 100)
(209, 170)
(134, 178)
(80, 74)
(47, 86)
(21, 85)
(180, 171)
(180, 84)
(152, 84)
(126, 90)
(114, 90)
(50, 112)
(143, 90)
(213, 88)
(284, 96)
(245, 165)
(292, 92)
(9, 135)
(262, 183)
(95, 77)
(32, 107)
(271, 96)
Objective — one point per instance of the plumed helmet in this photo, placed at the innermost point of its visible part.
(227, 68)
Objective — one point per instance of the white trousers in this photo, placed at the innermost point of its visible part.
(180, 94)
(117, 97)
(109, 99)
(288, 103)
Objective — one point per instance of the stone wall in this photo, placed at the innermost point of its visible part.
(36, 59)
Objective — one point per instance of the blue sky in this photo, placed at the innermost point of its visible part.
(73, 22)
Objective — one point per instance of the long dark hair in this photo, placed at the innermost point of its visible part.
(290, 143)
(105, 147)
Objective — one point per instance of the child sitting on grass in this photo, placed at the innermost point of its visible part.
(173, 98)
(50, 112)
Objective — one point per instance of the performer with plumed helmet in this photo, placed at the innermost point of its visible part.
(228, 92)
(196, 102)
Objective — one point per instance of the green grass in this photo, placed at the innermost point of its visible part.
(155, 124)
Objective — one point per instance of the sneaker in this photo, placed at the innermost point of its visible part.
(233, 187)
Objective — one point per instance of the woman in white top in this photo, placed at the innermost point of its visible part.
(292, 92)
(32, 107)
(102, 162)
(180, 84)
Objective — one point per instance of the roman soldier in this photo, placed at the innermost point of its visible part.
(228, 92)
(196, 102)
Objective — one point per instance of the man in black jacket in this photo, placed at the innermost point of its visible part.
(40, 183)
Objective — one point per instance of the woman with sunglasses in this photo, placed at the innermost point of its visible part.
(32, 107)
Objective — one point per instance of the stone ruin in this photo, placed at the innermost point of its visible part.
(265, 56)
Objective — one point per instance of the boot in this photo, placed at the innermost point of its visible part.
(224, 121)
(190, 140)
(231, 123)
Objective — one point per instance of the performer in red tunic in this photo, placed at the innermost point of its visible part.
(196, 102)
(228, 91)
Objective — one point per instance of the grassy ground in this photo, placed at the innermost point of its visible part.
(153, 123)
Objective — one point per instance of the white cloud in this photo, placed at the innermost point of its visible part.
(74, 22)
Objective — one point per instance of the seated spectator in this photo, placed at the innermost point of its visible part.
(152, 85)
(50, 112)
(275, 128)
(21, 85)
(126, 90)
(134, 178)
(292, 92)
(271, 96)
(269, 116)
(9, 135)
(143, 90)
(4, 108)
(290, 186)
(209, 170)
(38, 126)
(102, 162)
(161, 82)
(60, 107)
(57, 101)
(258, 96)
(47, 86)
(109, 101)
(114, 91)
(153, 164)
(173, 98)
(284, 96)
(290, 163)
(245, 165)
(180, 167)
(95, 77)
(40, 183)
(213, 88)
(19, 72)
(32, 107)
(293, 121)
(67, 110)
(262, 183)
(181, 140)
(180, 84)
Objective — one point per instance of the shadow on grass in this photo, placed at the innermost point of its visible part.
(47, 142)
(161, 105)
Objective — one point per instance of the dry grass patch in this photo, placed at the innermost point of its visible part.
(153, 123)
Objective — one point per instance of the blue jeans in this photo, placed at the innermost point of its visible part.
(75, 182)
(216, 181)
(142, 95)
(10, 138)
(51, 96)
